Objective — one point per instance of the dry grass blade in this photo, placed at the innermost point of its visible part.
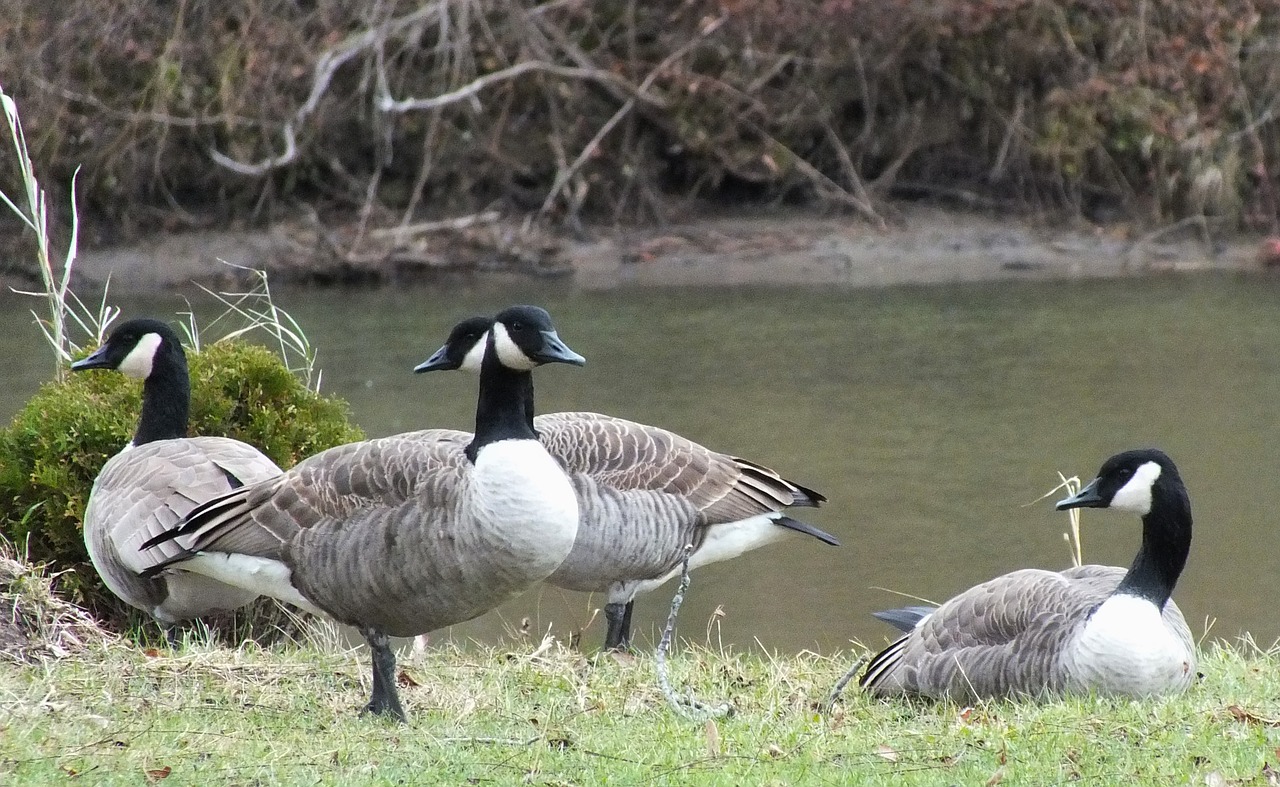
(1072, 536)
(64, 306)
(259, 308)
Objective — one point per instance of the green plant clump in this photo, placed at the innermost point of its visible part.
(55, 446)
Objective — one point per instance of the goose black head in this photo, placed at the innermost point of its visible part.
(132, 348)
(1127, 481)
(464, 349)
(523, 338)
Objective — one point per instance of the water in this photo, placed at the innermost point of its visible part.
(932, 417)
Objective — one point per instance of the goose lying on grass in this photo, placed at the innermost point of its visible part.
(1087, 629)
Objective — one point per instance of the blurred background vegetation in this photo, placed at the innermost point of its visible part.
(193, 113)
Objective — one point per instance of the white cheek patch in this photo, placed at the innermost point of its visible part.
(509, 353)
(139, 360)
(1135, 496)
(475, 356)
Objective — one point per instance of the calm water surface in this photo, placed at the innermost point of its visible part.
(932, 417)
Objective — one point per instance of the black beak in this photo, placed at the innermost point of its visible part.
(1087, 497)
(96, 360)
(439, 361)
(555, 351)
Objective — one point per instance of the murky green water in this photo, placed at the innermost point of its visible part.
(932, 417)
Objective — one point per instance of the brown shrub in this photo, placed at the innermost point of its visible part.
(1163, 108)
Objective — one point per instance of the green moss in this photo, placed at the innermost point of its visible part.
(55, 446)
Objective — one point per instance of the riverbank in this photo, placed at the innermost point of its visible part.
(778, 247)
(535, 712)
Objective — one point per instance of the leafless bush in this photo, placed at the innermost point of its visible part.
(196, 113)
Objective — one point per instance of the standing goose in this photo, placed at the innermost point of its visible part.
(400, 536)
(644, 493)
(1087, 629)
(158, 478)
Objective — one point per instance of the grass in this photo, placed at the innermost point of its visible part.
(117, 714)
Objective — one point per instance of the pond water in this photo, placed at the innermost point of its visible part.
(932, 418)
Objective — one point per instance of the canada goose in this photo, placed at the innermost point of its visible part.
(400, 536)
(158, 478)
(1086, 629)
(643, 494)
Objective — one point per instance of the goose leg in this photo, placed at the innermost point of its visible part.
(618, 617)
(384, 700)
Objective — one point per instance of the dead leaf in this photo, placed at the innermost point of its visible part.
(996, 777)
(887, 752)
(151, 653)
(405, 680)
(156, 774)
(775, 751)
(1249, 717)
(1271, 775)
(965, 714)
(1215, 779)
(69, 771)
(713, 738)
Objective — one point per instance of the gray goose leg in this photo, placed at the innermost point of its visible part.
(618, 618)
(384, 700)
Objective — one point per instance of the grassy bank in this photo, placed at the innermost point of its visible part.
(115, 714)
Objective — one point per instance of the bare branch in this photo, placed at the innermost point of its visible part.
(322, 76)
(423, 227)
(387, 103)
(563, 176)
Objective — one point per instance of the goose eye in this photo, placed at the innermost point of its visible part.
(517, 326)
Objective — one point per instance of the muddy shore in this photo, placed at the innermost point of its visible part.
(776, 248)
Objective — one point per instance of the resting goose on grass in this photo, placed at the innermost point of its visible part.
(1097, 629)
(643, 494)
(401, 536)
(159, 478)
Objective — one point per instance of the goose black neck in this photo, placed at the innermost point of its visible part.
(166, 398)
(1166, 541)
(504, 410)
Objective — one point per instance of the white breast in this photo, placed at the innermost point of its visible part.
(521, 497)
(1127, 648)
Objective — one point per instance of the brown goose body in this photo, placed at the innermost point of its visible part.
(398, 533)
(644, 493)
(1016, 635)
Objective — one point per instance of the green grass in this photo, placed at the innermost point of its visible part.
(112, 713)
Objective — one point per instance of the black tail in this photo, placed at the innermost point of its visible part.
(905, 618)
(807, 529)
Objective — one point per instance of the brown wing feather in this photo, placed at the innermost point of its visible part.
(327, 488)
(628, 455)
(999, 638)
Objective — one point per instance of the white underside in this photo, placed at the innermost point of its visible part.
(191, 595)
(725, 542)
(522, 498)
(259, 575)
(1127, 648)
